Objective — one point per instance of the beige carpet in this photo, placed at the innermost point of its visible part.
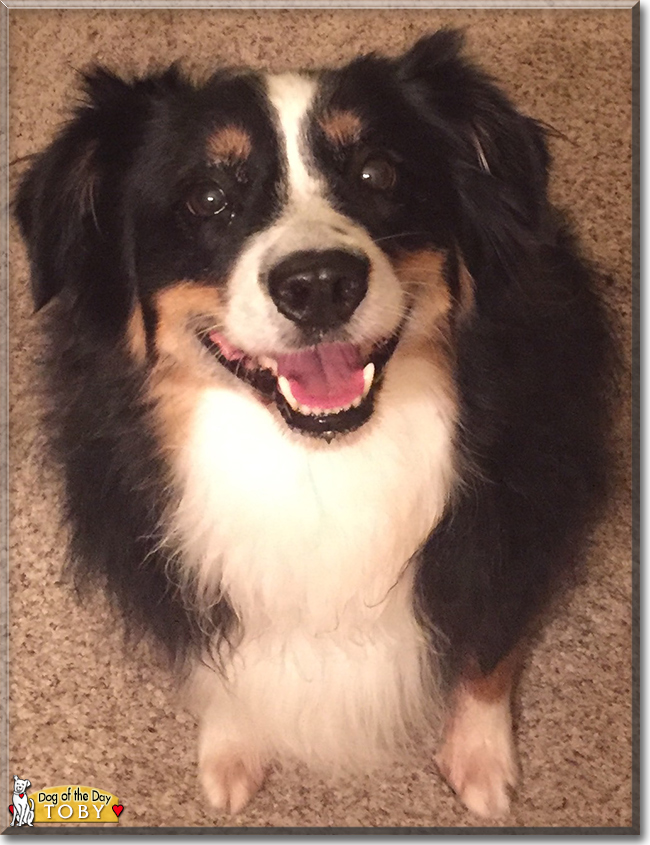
(82, 713)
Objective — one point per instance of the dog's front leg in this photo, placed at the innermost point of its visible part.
(478, 757)
(231, 760)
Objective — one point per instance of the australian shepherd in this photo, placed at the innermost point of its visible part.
(328, 382)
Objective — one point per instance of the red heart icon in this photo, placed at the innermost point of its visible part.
(11, 809)
(117, 809)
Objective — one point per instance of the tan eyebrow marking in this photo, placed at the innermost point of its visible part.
(342, 127)
(230, 143)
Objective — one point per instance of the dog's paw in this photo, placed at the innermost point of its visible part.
(478, 759)
(230, 781)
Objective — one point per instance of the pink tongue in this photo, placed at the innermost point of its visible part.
(327, 376)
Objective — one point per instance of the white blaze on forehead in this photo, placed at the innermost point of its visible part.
(308, 221)
(292, 96)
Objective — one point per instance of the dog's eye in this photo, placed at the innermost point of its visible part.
(207, 200)
(378, 173)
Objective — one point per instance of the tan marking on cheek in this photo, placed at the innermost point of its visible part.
(342, 127)
(178, 309)
(174, 392)
(136, 336)
(230, 144)
(428, 334)
(182, 371)
(422, 274)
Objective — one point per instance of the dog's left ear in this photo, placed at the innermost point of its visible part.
(500, 155)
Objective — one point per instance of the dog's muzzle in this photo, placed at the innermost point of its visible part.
(324, 388)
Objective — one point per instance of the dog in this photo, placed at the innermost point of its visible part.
(328, 378)
(23, 806)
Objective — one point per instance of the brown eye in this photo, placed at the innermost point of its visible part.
(378, 173)
(207, 201)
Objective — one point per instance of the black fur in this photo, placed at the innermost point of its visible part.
(534, 416)
(100, 213)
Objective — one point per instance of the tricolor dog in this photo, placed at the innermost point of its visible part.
(328, 379)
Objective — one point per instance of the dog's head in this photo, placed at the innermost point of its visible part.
(286, 234)
(21, 785)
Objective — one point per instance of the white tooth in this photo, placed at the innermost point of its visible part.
(368, 375)
(285, 390)
(357, 402)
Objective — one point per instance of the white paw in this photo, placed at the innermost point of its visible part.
(481, 780)
(478, 759)
(230, 781)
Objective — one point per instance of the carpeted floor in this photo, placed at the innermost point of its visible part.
(81, 712)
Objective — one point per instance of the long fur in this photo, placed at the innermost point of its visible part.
(321, 582)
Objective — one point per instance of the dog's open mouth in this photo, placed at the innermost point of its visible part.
(321, 390)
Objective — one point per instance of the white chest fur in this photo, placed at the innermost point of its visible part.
(311, 542)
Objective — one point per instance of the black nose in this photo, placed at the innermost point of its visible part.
(319, 290)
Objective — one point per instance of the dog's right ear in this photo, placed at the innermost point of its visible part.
(57, 200)
(68, 203)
